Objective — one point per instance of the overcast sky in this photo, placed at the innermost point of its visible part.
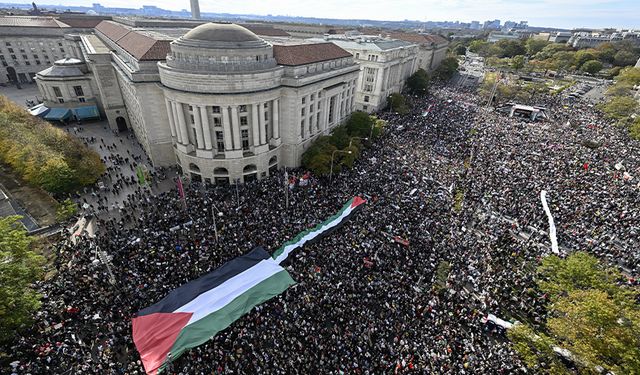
(556, 13)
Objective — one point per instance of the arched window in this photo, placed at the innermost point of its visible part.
(273, 160)
(194, 167)
(220, 171)
(250, 168)
(250, 173)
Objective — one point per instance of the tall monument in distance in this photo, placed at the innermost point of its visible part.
(195, 9)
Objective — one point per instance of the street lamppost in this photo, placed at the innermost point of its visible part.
(332, 155)
(352, 138)
(213, 215)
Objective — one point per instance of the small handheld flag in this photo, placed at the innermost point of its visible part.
(140, 174)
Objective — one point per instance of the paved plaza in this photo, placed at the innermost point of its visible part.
(28, 91)
(120, 152)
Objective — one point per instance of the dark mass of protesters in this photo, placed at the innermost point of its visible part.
(460, 184)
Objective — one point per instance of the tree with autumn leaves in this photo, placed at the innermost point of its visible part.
(593, 318)
(44, 155)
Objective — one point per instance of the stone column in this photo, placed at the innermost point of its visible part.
(255, 124)
(227, 128)
(386, 77)
(323, 106)
(325, 112)
(263, 132)
(174, 111)
(198, 125)
(275, 121)
(379, 81)
(236, 127)
(205, 128)
(183, 124)
(172, 124)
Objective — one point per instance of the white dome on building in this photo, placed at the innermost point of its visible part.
(67, 67)
(221, 32)
(221, 47)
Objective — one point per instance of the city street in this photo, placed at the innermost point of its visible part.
(361, 195)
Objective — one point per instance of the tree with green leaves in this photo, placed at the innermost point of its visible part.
(480, 47)
(510, 48)
(606, 52)
(536, 350)
(629, 75)
(625, 58)
(563, 60)
(583, 56)
(20, 267)
(418, 82)
(398, 103)
(66, 210)
(591, 315)
(634, 129)
(619, 107)
(534, 46)
(551, 49)
(620, 89)
(591, 66)
(517, 62)
(359, 125)
(317, 157)
(460, 50)
(447, 68)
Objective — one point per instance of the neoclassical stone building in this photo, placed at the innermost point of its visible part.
(68, 92)
(385, 65)
(29, 44)
(223, 103)
(238, 106)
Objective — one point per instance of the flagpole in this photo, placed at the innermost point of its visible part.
(286, 189)
(215, 227)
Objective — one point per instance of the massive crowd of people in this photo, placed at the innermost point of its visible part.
(454, 188)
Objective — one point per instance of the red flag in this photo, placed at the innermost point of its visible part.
(180, 188)
(401, 240)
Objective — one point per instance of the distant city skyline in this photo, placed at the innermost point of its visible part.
(549, 13)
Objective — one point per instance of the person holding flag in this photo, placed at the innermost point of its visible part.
(141, 175)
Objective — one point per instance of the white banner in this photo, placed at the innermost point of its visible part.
(552, 225)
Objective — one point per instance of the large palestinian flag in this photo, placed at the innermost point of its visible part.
(193, 313)
(320, 230)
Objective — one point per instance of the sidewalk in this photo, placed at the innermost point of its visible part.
(29, 91)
